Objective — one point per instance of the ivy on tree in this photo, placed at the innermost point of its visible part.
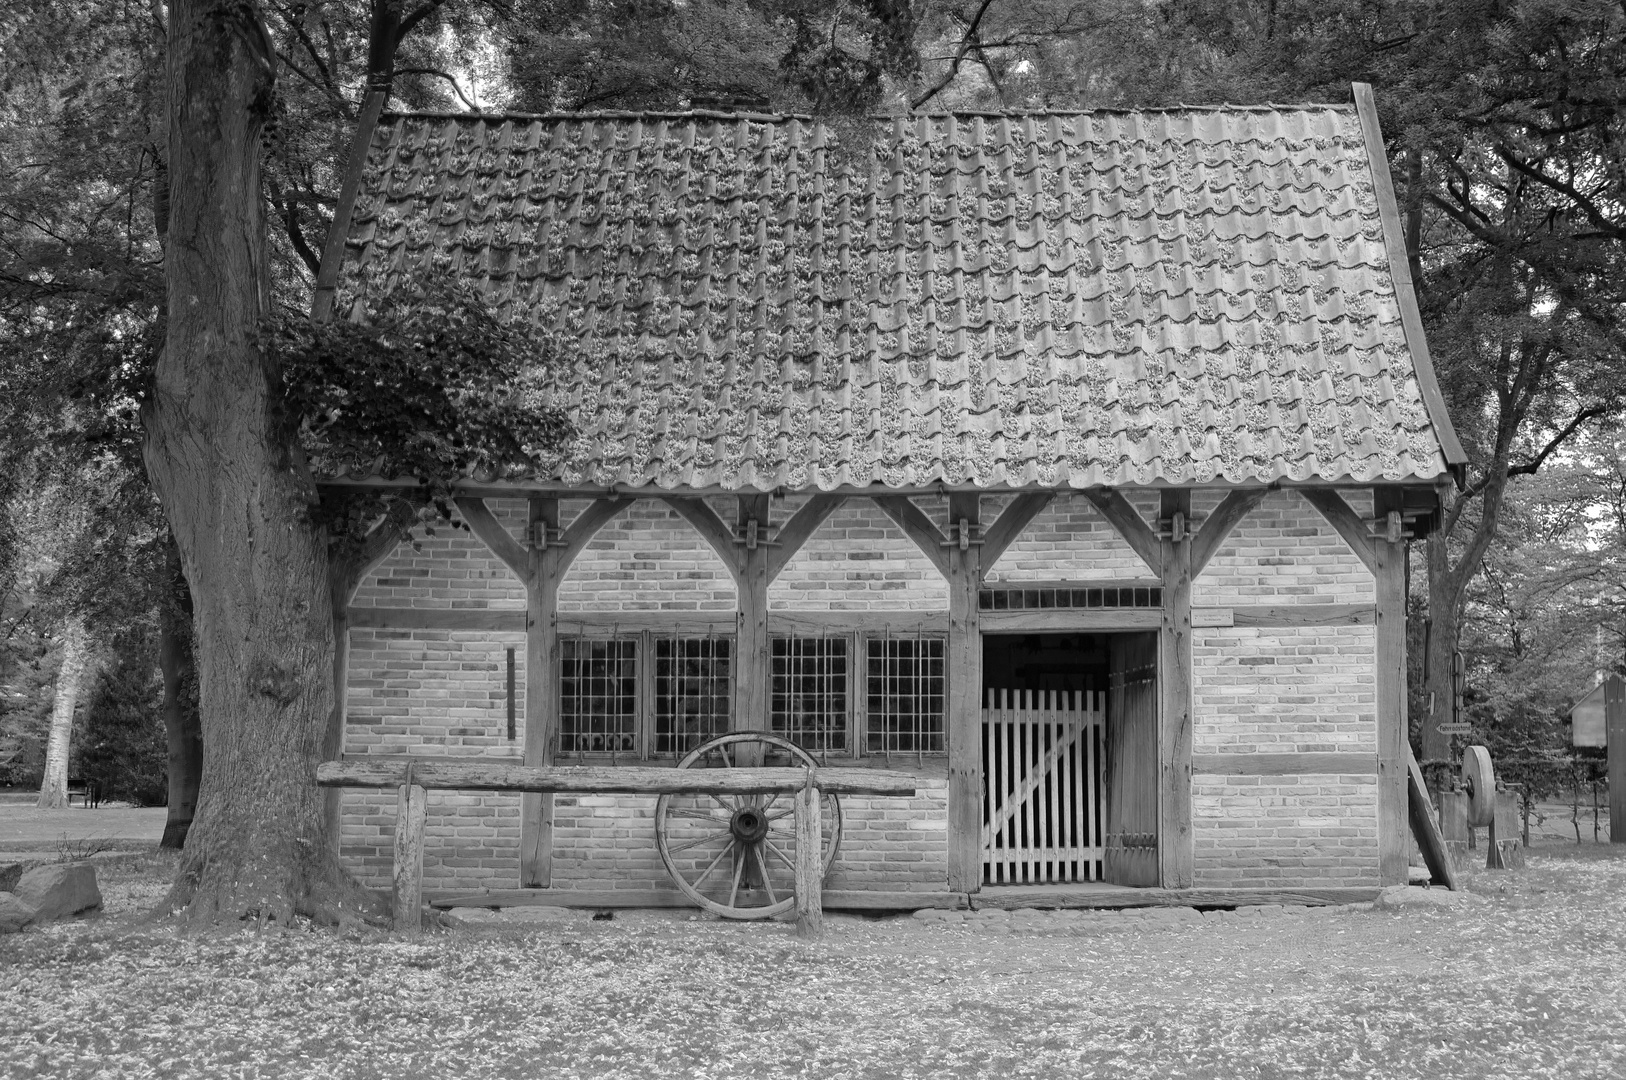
(429, 383)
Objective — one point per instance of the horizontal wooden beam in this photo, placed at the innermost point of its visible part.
(1114, 896)
(1347, 763)
(607, 779)
(1283, 615)
(834, 899)
(503, 620)
(1070, 620)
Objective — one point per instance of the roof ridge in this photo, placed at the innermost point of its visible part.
(762, 117)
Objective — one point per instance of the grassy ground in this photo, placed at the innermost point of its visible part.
(1526, 983)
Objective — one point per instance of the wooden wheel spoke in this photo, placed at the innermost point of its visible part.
(786, 859)
(704, 874)
(718, 799)
(695, 813)
(706, 839)
(781, 814)
(734, 893)
(762, 865)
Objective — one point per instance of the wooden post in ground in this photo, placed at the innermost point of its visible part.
(411, 810)
(1614, 728)
(752, 652)
(809, 860)
(964, 696)
(1176, 855)
(1389, 550)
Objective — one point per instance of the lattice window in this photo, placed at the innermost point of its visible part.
(810, 692)
(598, 696)
(694, 689)
(1045, 597)
(904, 695)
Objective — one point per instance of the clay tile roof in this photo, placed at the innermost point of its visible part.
(1185, 296)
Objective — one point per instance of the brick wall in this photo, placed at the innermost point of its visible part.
(858, 560)
(1069, 541)
(1284, 831)
(447, 567)
(648, 559)
(1284, 552)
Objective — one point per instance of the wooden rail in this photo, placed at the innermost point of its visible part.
(412, 779)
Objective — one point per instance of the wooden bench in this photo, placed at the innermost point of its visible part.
(412, 780)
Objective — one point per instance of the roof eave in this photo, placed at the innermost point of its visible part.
(1411, 318)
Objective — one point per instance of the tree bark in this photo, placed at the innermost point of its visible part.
(75, 645)
(238, 501)
(181, 721)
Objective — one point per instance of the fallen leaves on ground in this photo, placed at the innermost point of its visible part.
(1527, 985)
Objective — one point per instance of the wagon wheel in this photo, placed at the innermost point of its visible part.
(735, 855)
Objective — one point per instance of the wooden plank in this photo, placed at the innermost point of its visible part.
(546, 569)
(490, 620)
(1217, 528)
(411, 811)
(1288, 615)
(1176, 850)
(1430, 838)
(918, 527)
(1614, 728)
(1108, 896)
(964, 663)
(1345, 522)
(809, 860)
(1016, 516)
(790, 537)
(1320, 764)
(1393, 830)
(1411, 318)
(1130, 525)
(605, 779)
(1022, 789)
(1063, 620)
(620, 899)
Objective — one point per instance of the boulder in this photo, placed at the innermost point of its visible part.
(59, 890)
(1399, 897)
(10, 874)
(14, 914)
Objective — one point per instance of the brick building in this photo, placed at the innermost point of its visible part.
(1065, 460)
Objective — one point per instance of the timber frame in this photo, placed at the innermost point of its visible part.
(1175, 550)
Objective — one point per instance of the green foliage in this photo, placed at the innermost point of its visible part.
(430, 385)
(119, 744)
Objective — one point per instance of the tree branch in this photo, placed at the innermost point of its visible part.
(966, 40)
(1528, 468)
(472, 107)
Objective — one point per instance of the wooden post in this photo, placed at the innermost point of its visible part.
(411, 809)
(964, 701)
(1614, 734)
(541, 704)
(809, 860)
(753, 657)
(1390, 570)
(1176, 854)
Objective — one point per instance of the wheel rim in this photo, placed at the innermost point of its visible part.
(735, 855)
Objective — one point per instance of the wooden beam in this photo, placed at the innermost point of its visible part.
(831, 900)
(545, 568)
(411, 810)
(918, 527)
(1337, 763)
(711, 528)
(1012, 520)
(484, 524)
(1069, 620)
(1289, 615)
(1123, 517)
(1346, 522)
(1425, 829)
(488, 775)
(1219, 525)
(1390, 570)
(599, 513)
(1176, 850)
(1109, 896)
(753, 659)
(964, 656)
(790, 537)
(495, 620)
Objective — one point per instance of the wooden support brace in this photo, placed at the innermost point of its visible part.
(809, 860)
(1430, 840)
(411, 810)
(1123, 517)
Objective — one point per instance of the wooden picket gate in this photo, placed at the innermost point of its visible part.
(1042, 764)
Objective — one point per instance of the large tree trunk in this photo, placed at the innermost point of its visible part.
(238, 503)
(75, 644)
(182, 724)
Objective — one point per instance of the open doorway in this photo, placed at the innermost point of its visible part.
(1069, 755)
